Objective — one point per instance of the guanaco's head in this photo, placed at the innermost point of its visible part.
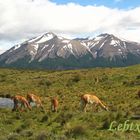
(12, 97)
(106, 108)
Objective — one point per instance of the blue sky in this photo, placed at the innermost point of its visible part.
(122, 4)
(25, 19)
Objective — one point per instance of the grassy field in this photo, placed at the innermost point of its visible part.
(116, 87)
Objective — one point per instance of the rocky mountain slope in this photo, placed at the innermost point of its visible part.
(56, 52)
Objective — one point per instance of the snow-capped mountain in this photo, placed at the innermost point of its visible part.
(109, 46)
(2, 51)
(56, 52)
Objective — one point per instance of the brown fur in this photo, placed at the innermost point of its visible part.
(54, 104)
(20, 100)
(34, 98)
(91, 99)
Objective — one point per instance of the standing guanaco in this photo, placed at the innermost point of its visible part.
(91, 99)
(35, 99)
(54, 104)
(18, 99)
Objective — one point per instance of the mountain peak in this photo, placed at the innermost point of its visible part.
(49, 48)
(50, 33)
(105, 35)
(42, 38)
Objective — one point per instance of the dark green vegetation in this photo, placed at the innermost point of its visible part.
(116, 87)
(86, 61)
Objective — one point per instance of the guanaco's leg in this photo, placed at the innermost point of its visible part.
(85, 107)
(55, 108)
(15, 105)
(82, 105)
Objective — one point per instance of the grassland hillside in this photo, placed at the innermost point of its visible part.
(116, 87)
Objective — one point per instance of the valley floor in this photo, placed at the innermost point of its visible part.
(116, 87)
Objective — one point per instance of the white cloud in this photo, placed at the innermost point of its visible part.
(24, 19)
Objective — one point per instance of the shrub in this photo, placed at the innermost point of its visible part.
(42, 136)
(45, 118)
(26, 133)
(76, 78)
(48, 83)
(45, 83)
(138, 77)
(106, 124)
(13, 136)
(63, 118)
(8, 122)
(73, 80)
(69, 83)
(132, 83)
(76, 131)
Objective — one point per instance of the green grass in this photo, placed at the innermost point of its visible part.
(116, 87)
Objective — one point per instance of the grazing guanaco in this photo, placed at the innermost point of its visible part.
(35, 99)
(18, 99)
(91, 99)
(54, 104)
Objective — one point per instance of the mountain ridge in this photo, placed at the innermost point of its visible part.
(61, 53)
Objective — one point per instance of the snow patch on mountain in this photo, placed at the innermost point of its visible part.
(36, 47)
(115, 43)
(98, 38)
(44, 47)
(45, 38)
(68, 47)
(94, 44)
(34, 39)
(120, 51)
(51, 46)
(61, 38)
(84, 44)
(34, 52)
(66, 41)
(43, 57)
(17, 46)
(124, 44)
(102, 45)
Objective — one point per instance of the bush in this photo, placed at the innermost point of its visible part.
(132, 83)
(63, 118)
(42, 136)
(45, 83)
(26, 124)
(138, 77)
(73, 80)
(45, 118)
(13, 136)
(48, 83)
(76, 131)
(76, 78)
(106, 124)
(26, 133)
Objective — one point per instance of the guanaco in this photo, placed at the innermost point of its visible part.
(91, 99)
(35, 99)
(54, 104)
(18, 99)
